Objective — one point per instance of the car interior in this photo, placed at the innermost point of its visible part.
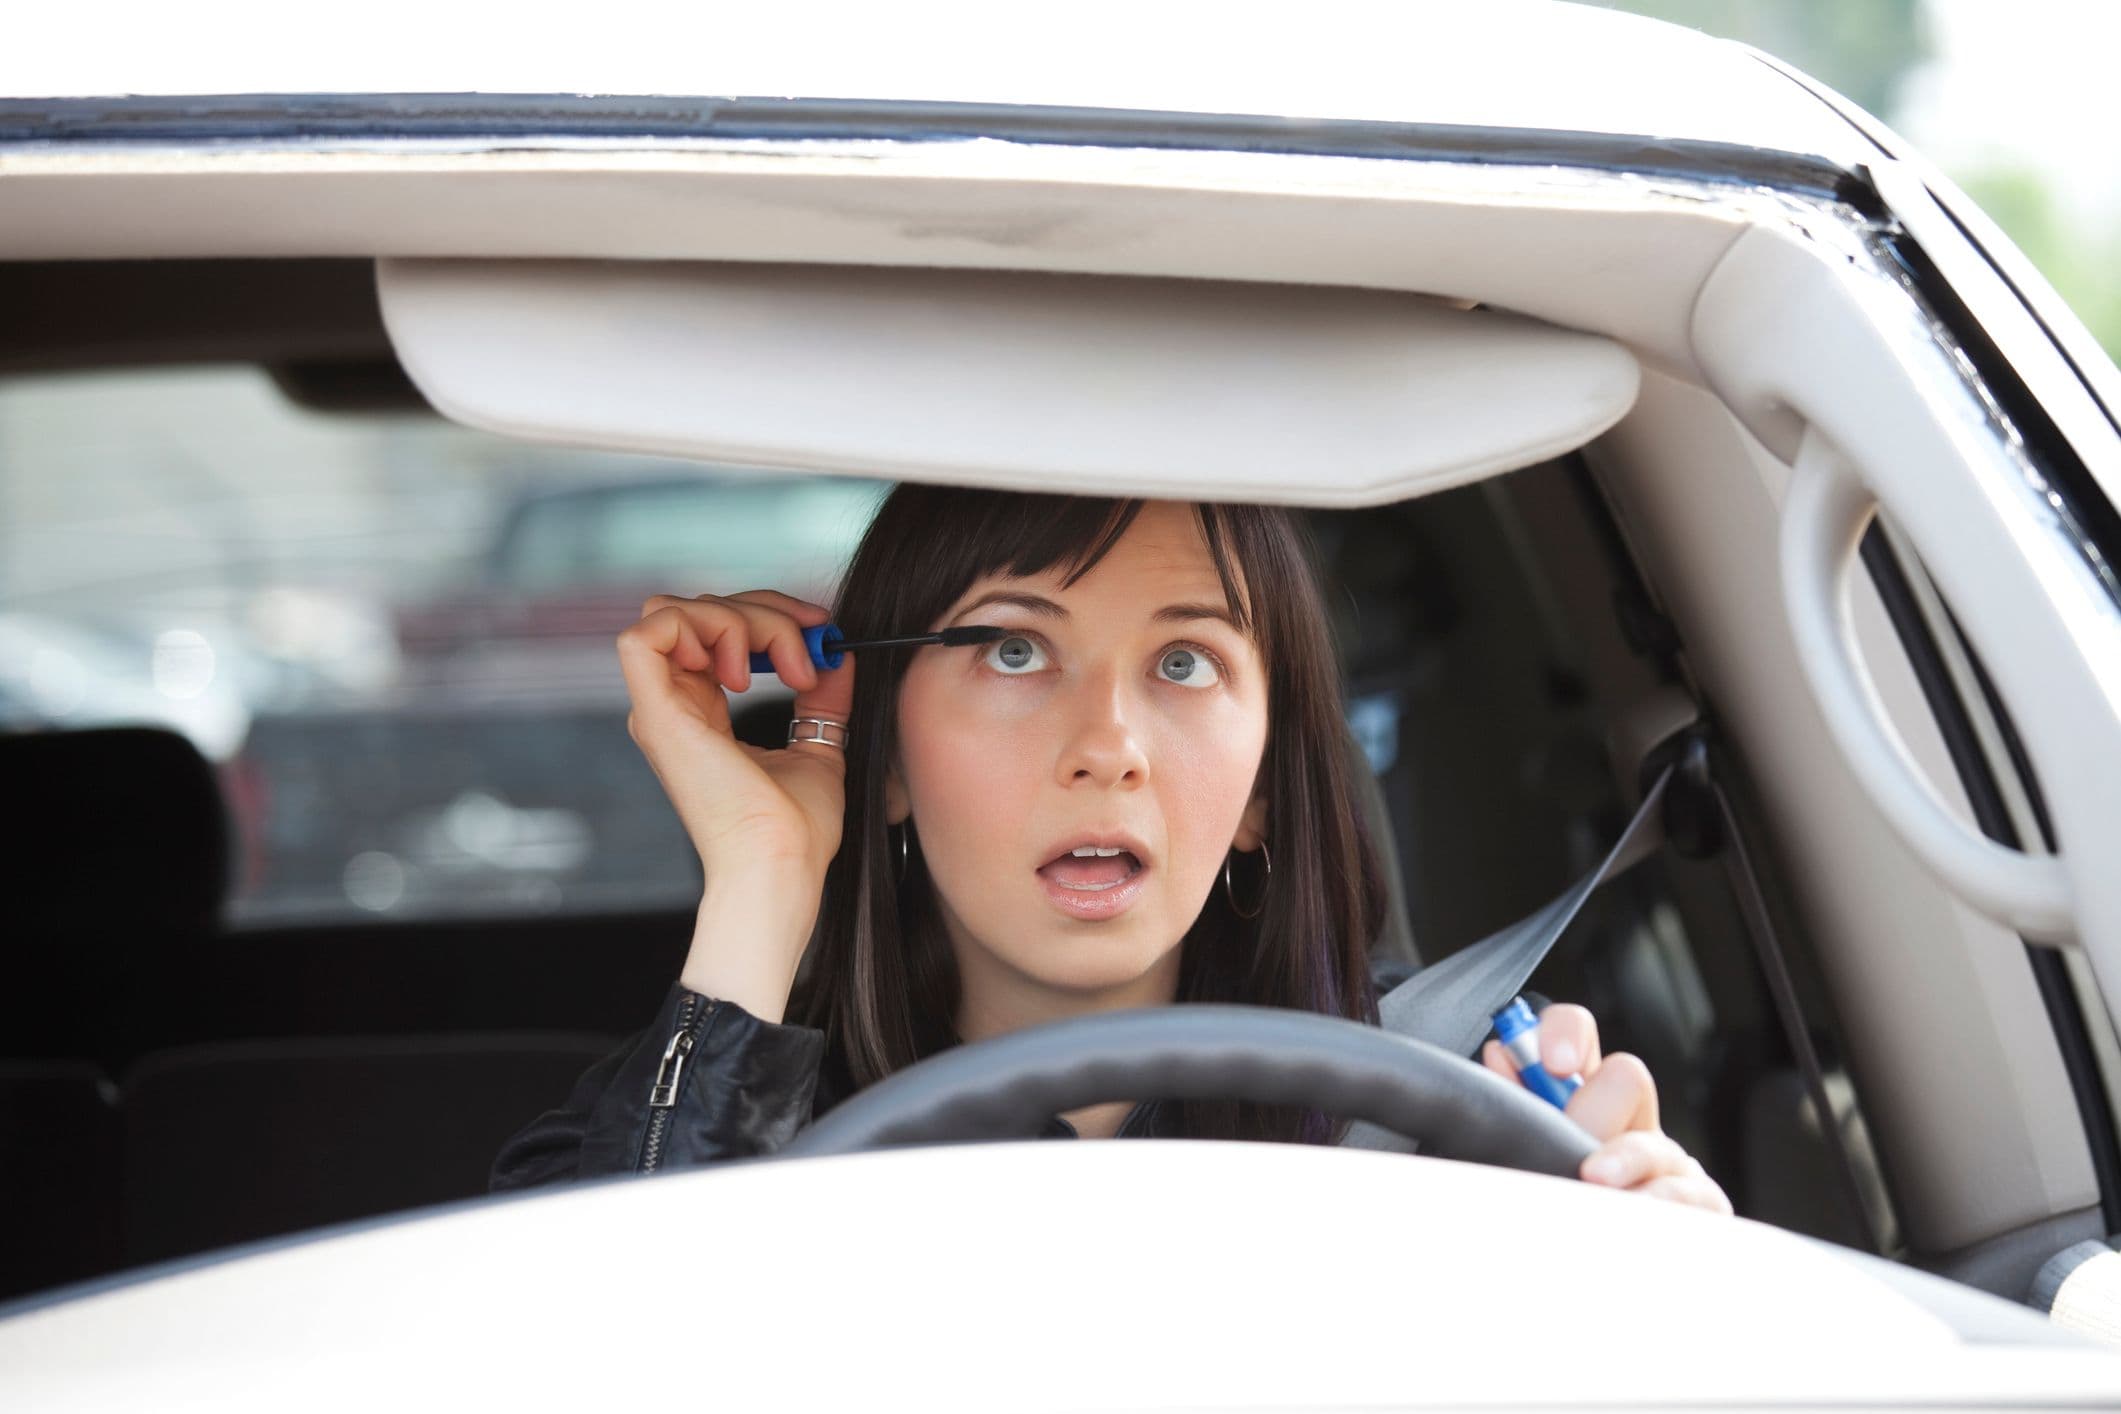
(237, 1012)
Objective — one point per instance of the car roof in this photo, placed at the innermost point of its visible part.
(1521, 64)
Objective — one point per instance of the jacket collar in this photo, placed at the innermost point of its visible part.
(1151, 1119)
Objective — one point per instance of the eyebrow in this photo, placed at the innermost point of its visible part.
(1031, 603)
(1046, 608)
(1186, 613)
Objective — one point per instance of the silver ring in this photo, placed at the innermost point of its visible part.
(823, 731)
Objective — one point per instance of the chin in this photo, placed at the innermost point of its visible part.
(1087, 958)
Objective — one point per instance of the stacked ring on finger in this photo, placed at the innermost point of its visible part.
(819, 729)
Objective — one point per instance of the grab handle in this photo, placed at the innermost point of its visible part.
(1823, 519)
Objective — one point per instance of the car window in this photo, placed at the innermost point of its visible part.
(391, 635)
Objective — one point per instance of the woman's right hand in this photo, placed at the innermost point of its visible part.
(749, 811)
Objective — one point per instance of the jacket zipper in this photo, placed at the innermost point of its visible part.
(663, 1097)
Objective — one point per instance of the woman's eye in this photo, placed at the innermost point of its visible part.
(1015, 656)
(1187, 667)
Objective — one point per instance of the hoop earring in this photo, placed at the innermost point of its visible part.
(1231, 893)
(904, 831)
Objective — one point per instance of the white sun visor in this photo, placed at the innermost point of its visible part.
(1094, 384)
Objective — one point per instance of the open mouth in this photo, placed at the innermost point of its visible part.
(1090, 869)
(1097, 879)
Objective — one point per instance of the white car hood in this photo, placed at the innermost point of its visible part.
(1032, 1276)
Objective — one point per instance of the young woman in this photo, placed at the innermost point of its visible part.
(1139, 796)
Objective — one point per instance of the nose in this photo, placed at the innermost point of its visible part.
(1102, 747)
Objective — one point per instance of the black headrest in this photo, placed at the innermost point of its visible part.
(115, 829)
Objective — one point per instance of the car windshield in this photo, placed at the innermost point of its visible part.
(392, 638)
(392, 635)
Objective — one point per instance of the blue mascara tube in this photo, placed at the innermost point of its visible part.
(1518, 1030)
(823, 642)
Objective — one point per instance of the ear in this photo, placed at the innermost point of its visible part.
(1251, 826)
(897, 804)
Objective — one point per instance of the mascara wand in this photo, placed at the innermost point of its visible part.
(828, 649)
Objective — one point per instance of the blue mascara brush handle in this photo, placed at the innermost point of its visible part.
(813, 639)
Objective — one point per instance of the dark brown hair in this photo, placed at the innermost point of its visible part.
(880, 979)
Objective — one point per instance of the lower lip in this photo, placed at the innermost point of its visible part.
(1095, 904)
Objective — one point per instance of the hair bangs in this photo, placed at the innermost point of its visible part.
(982, 533)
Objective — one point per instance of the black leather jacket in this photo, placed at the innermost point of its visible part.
(705, 1081)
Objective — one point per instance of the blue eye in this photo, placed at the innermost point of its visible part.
(1188, 668)
(1014, 656)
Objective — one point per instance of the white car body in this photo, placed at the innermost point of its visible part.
(1680, 198)
(1050, 1276)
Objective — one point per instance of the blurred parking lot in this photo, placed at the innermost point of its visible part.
(392, 614)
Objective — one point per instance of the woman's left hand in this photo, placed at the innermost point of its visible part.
(1617, 1103)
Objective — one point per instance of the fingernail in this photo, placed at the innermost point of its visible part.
(1560, 1058)
(1604, 1168)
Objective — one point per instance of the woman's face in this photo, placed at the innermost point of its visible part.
(1125, 712)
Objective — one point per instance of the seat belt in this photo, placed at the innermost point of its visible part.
(1452, 1003)
(1760, 926)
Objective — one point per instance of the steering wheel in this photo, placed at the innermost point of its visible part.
(1007, 1087)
